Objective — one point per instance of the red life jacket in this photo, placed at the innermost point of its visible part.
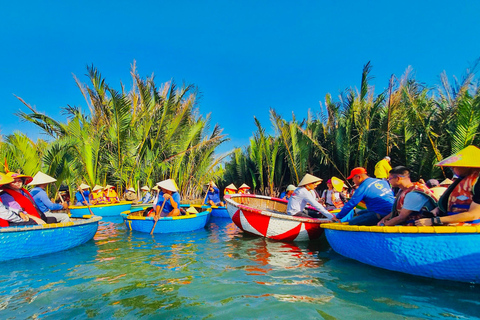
(3, 223)
(25, 201)
(461, 196)
(417, 187)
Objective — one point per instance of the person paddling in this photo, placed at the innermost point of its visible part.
(168, 199)
(83, 195)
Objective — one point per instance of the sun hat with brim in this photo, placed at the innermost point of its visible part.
(14, 175)
(168, 184)
(244, 186)
(108, 186)
(4, 179)
(291, 187)
(84, 186)
(192, 210)
(446, 182)
(355, 171)
(231, 186)
(308, 178)
(145, 188)
(337, 184)
(97, 187)
(131, 189)
(468, 157)
(41, 178)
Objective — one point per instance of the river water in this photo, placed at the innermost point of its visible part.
(217, 273)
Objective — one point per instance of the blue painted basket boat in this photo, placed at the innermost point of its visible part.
(103, 210)
(135, 221)
(30, 241)
(444, 252)
(217, 211)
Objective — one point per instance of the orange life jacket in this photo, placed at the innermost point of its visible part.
(417, 187)
(112, 196)
(461, 196)
(98, 197)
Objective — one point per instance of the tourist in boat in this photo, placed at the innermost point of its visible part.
(244, 189)
(288, 193)
(382, 168)
(461, 202)
(147, 196)
(331, 197)
(302, 196)
(168, 194)
(410, 201)
(130, 194)
(111, 194)
(41, 181)
(435, 187)
(15, 196)
(376, 194)
(213, 196)
(98, 196)
(82, 196)
(230, 189)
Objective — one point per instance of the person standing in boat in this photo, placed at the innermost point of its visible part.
(382, 168)
(410, 200)
(213, 196)
(168, 194)
(461, 201)
(377, 195)
(41, 180)
(83, 195)
(302, 196)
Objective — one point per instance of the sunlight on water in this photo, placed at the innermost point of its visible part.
(217, 272)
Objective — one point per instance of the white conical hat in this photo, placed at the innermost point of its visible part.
(131, 189)
(145, 188)
(211, 183)
(41, 178)
(291, 187)
(231, 186)
(97, 187)
(84, 186)
(192, 210)
(108, 186)
(155, 188)
(168, 184)
(244, 186)
(308, 178)
(446, 181)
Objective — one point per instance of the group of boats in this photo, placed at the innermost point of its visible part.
(440, 252)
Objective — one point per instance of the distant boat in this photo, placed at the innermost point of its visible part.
(443, 252)
(266, 217)
(134, 220)
(217, 211)
(30, 241)
(103, 210)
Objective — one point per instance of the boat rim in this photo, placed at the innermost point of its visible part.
(52, 225)
(100, 205)
(403, 229)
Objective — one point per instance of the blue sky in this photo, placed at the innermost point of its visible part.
(245, 56)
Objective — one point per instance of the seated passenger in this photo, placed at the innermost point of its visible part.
(288, 193)
(147, 196)
(130, 194)
(14, 196)
(168, 199)
(213, 196)
(435, 187)
(410, 200)
(111, 194)
(301, 196)
(230, 189)
(41, 180)
(376, 194)
(98, 196)
(82, 196)
(332, 198)
(461, 202)
(244, 189)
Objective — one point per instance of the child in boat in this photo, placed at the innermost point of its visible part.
(83, 195)
(213, 195)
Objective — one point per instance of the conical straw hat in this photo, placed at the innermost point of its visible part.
(291, 187)
(244, 186)
(131, 189)
(14, 175)
(309, 179)
(84, 186)
(4, 179)
(155, 188)
(41, 178)
(97, 187)
(468, 157)
(192, 210)
(168, 184)
(145, 188)
(231, 186)
(108, 186)
(337, 184)
(446, 181)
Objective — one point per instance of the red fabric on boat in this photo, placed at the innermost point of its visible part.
(25, 201)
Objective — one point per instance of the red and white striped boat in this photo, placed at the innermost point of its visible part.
(266, 217)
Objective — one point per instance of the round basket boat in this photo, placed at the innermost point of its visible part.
(266, 217)
(103, 210)
(217, 211)
(134, 220)
(30, 241)
(444, 252)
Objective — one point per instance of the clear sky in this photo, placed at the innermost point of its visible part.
(245, 56)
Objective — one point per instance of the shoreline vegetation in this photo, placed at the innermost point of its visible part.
(154, 132)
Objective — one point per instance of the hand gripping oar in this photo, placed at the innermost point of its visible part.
(160, 212)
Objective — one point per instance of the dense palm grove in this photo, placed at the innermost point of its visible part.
(152, 132)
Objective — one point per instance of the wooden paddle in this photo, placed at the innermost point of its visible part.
(160, 212)
(91, 212)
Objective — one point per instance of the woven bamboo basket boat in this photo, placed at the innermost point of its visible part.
(266, 217)
(30, 241)
(444, 252)
(103, 210)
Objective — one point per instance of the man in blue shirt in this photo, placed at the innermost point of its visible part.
(83, 195)
(41, 180)
(376, 194)
(213, 195)
(147, 197)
